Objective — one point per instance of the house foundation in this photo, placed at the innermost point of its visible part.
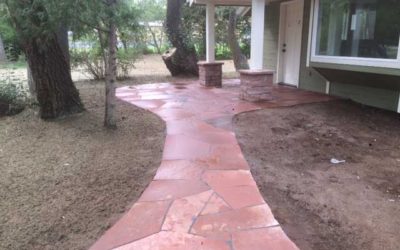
(210, 74)
(256, 85)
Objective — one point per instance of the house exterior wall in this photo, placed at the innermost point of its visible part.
(376, 97)
(310, 79)
(377, 87)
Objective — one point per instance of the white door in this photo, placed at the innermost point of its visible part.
(290, 47)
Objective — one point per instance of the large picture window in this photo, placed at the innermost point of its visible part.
(365, 30)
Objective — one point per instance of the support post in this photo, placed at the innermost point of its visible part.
(210, 71)
(256, 84)
(210, 32)
(257, 34)
(398, 105)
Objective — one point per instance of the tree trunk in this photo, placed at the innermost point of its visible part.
(111, 75)
(62, 37)
(103, 49)
(3, 57)
(168, 60)
(56, 92)
(31, 83)
(239, 59)
(185, 58)
(154, 36)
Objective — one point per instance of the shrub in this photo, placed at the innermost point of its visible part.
(125, 62)
(13, 94)
(223, 52)
(91, 61)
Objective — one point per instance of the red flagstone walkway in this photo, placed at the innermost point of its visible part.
(203, 195)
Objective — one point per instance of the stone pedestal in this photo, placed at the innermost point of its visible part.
(210, 74)
(256, 85)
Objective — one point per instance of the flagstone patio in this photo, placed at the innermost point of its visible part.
(203, 195)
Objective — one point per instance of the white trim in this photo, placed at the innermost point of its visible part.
(315, 28)
(279, 61)
(310, 29)
(257, 34)
(398, 105)
(282, 33)
(359, 61)
(398, 51)
(328, 87)
(210, 32)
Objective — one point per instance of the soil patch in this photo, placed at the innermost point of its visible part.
(323, 206)
(64, 183)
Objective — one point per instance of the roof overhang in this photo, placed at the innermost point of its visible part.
(222, 2)
(226, 2)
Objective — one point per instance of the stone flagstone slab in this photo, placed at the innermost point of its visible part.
(184, 211)
(215, 205)
(142, 220)
(180, 170)
(172, 189)
(262, 239)
(233, 221)
(176, 241)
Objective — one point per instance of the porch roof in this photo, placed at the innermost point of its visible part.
(223, 2)
(227, 2)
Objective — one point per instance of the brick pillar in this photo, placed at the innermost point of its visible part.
(256, 85)
(210, 74)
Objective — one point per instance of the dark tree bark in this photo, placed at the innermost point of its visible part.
(239, 59)
(111, 72)
(103, 47)
(184, 59)
(55, 90)
(3, 56)
(62, 37)
(31, 83)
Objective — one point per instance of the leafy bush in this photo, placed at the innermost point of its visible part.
(9, 37)
(148, 51)
(125, 62)
(223, 52)
(13, 94)
(8, 92)
(245, 47)
(91, 61)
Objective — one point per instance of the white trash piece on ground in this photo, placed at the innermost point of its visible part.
(336, 161)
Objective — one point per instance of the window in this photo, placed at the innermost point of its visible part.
(360, 32)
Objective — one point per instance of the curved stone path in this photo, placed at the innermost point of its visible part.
(203, 195)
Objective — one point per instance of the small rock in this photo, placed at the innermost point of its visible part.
(333, 179)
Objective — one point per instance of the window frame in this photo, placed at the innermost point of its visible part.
(357, 61)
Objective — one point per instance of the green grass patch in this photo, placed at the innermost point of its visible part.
(13, 65)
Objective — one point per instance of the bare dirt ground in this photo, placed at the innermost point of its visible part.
(323, 206)
(63, 183)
